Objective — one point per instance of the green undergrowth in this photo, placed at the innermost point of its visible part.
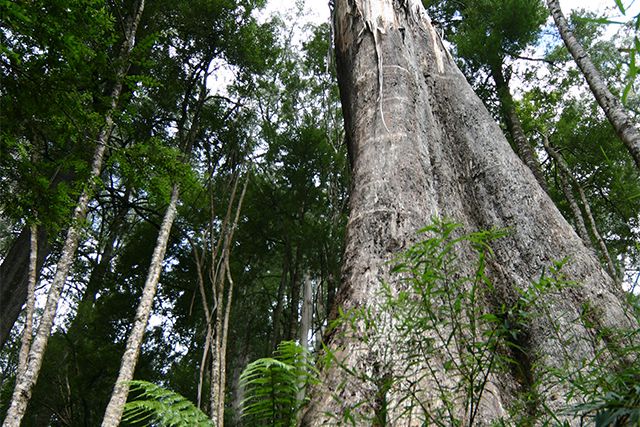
(435, 342)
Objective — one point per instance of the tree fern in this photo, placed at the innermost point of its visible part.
(163, 407)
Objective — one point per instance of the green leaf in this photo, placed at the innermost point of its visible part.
(620, 6)
(602, 21)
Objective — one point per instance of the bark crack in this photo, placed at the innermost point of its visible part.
(376, 43)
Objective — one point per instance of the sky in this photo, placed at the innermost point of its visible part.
(319, 9)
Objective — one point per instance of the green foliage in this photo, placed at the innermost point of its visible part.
(156, 405)
(451, 329)
(619, 402)
(438, 312)
(599, 163)
(53, 59)
(485, 32)
(273, 386)
(152, 168)
(612, 391)
(632, 50)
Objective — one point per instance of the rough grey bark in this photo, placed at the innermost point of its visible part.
(25, 383)
(14, 278)
(624, 125)
(436, 151)
(113, 413)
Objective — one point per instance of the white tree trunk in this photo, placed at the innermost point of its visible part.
(27, 333)
(423, 145)
(306, 315)
(113, 413)
(306, 323)
(624, 125)
(26, 382)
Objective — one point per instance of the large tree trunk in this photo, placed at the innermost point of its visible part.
(424, 145)
(624, 125)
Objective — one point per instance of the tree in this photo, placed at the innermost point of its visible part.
(559, 106)
(423, 145)
(54, 52)
(113, 413)
(620, 119)
(26, 381)
(177, 43)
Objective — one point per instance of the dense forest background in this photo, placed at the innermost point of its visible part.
(233, 119)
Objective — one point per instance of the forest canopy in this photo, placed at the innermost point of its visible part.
(176, 184)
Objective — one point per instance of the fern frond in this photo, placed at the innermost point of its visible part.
(163, 407)
(272, 385)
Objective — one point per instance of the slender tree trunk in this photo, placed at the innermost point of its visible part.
(294, 297)
(514, 125)
(27, 333)
(218, 288)
(14, 271)
(113, 413)
(567, 190)
(618, 116)
(423, 145)
(306, 315)
(306, 323)
(14, 278)
(611, 267)
(276, 334)
(24, 384)
(207, 314)
(565, 172)
(222, 359)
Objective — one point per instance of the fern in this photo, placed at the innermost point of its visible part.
(273, 386)
(163, 407)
